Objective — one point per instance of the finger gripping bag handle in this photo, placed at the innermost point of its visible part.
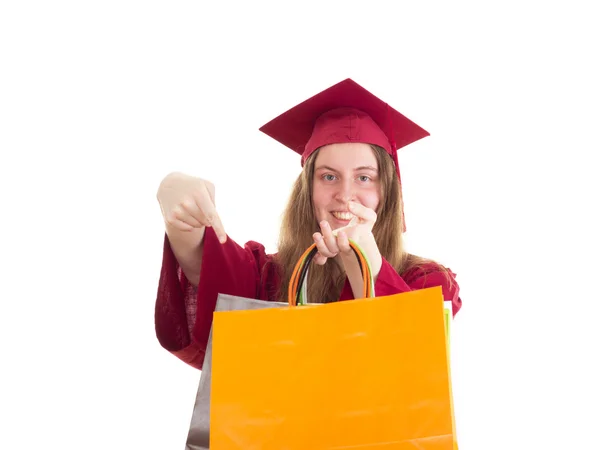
(297, 286)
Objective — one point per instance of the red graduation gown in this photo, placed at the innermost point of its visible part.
(183, 313)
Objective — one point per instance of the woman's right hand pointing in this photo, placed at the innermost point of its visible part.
(188, 203)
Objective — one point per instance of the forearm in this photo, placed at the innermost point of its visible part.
(187, 248)
(352, 266)
(354, 274)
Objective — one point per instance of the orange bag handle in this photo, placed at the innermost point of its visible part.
(299, 275)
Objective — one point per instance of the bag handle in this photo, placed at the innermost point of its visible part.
(297, 286)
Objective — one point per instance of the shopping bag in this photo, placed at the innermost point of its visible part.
(198, 434)
(367, 373)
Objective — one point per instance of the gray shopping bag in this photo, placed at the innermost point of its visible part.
(198, 436)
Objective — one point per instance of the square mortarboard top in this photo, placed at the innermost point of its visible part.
(345, 112)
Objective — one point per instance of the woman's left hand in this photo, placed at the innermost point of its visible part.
(330, 246)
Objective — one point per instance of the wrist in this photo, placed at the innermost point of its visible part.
(371, 251)
(351, 267)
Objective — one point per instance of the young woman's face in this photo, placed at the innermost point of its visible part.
(344, 172)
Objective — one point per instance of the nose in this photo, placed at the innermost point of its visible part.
(345, 192)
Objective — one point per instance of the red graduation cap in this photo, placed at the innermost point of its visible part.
(345, 112)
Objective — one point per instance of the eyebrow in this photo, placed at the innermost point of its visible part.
(374, 169)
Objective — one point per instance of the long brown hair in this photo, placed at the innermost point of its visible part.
(299, 223)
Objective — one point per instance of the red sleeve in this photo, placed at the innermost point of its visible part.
(431, 275)
(183, 314)
(389, 282)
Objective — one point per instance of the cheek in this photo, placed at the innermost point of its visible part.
(320, 197)
(370, 199)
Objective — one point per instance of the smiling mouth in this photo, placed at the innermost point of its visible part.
(343, 216)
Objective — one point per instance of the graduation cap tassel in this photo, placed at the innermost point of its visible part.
(394, 148)
(395, 157)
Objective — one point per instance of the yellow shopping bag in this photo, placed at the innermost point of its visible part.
(359, 374)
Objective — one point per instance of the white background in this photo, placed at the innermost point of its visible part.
(100, 100)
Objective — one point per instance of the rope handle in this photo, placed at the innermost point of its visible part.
(297, 287)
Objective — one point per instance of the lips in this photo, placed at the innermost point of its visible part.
(342, 215)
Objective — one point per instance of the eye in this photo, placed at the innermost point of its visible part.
(328, 177)
(364, 178)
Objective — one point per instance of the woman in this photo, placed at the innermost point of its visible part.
(349, 189)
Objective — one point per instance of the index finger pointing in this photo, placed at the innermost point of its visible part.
(207, 207)
(218, 227)
(362, 212)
